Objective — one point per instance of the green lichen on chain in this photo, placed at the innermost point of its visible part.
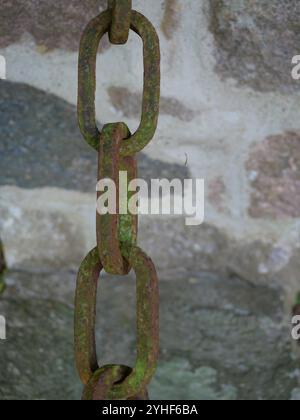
(85, 310)
(87, 81)
(87, 77)
(2, 283)
(117, 233)
(115, 227)
(147, 325)
(2, 269)
(297, 299)
(128, 222)
(121, 16)
(151, 93)
(136, 380)
(126, 234)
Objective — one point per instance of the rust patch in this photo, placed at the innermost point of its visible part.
(52, 24)
(130, 105)
(121, 18)
(113, 229)
(87, 81)
(171, 19)
(147, 329)
(274, 172)
(103, 380)
(116, 235)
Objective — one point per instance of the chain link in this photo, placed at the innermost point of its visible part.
(87, 81)
(147, 324)
(120, 22)
(115, 229)
(116, 250)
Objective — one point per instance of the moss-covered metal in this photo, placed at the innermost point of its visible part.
(120, 22)
(116, 229)
(147, 328)
(87, 81)
(104, 379)
(116, 249)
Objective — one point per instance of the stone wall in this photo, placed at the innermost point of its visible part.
(229, 107)
(229, 114)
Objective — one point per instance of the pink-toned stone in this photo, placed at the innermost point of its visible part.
(255, 41)
(53, 24)
(274, 171)
(216, 191)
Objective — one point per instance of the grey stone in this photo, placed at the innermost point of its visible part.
(177, 381)
(41, 145)
(130, 104)
(220, 338)
(256, 40)
(38, 226)
(296, 394)
(202, 247)
(37, 357)
(2, 268)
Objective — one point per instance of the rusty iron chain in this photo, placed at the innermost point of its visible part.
(120, 23)
(113, 229)
(116, 251)
(87, 81)
(147, 326)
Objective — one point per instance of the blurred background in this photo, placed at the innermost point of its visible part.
(230, 115)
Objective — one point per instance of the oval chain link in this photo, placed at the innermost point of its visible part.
(147, 324)
(87, 82)
(119, 228)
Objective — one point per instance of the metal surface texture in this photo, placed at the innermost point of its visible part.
(116, 250)
(115, 229)
(147, 326)
(120, 22)
(87, 81)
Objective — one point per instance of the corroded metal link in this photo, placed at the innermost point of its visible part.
(85, 316)
(116, 249)
(87, 81)
(147, 327)
(115, 229)
(103, 381)
(120, 24)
